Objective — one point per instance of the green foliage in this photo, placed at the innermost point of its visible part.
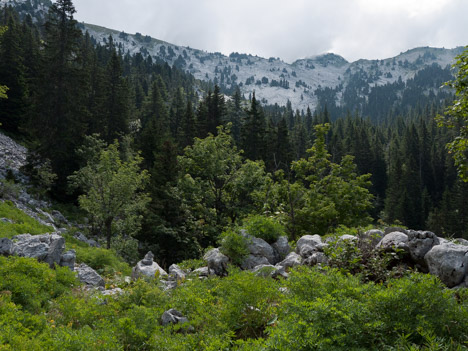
(234, 245)
(360, 258)
(216, 184)
(332, 311)
(325, 194)
(22, 223)
(263, 227)
(104, 261)
(32, 284)
(456, 116)
(3, 91)
(112, 187)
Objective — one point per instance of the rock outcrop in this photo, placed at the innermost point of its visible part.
(217, 262)
(449, 262)
(89, 276)
(147, 268)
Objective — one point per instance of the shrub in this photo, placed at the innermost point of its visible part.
(326, 310)
(234, 245)
(104, 261)
(265, 228)
(33, 284)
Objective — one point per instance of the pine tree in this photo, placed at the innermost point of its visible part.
(254, 131)
(59, 125)
(12, 74)
(116, 100)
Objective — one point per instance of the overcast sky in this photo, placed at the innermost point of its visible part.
(289, 29)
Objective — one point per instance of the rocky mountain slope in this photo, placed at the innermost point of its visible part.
(309, 82)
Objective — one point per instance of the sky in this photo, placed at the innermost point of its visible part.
(290, 30)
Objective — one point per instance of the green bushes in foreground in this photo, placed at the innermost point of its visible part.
(312, 310)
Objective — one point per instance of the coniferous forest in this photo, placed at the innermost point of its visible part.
(152, 159)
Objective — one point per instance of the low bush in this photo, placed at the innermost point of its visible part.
(32, 284)
(104, 261)
(234, 245)
(327, 310)
(265, 228)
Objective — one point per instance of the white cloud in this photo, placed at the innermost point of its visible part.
(289, 29)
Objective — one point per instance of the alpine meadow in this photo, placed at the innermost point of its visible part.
(154, 196)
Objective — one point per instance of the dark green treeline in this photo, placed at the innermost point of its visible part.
(64, 86)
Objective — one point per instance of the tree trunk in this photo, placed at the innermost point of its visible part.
(108, 225)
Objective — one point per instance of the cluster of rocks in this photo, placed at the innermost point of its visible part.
(147, 268)
(49, 248)
(428, 253)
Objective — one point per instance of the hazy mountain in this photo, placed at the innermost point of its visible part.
(326, 79)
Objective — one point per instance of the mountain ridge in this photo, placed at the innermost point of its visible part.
(303, 83)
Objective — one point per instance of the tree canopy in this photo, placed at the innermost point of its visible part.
(112, 188)
(456, 116)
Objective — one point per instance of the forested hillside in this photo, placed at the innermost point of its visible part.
(63, 88)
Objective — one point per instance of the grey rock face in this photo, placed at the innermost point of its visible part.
(393, 240)
(315, 259)
(461, 241)
(68, 259)
(217, 261)
(291, 260)
(202, 272)
(259, 247)
(147, 268)
(449, 262)
(46, 247)
(419, 244)
(347, 237)
(89, 276)
(81, 237)
(177, 273)
(307, 250)
(371, 237)
(313, 241)
(12, 155)
(269, 270)
(59, 217)
(252, 261)
(281, 247)
(173, 316)
(6, 247)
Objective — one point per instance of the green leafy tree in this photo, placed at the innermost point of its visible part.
(456, 116)
(217, 184)
(112, 188)
(326, 194)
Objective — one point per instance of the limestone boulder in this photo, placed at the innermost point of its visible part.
(147, 268)
(281, 247)
(252, 261)
(89, 276)
(46, 247)
(292, 259)
(394, 240)
(173, 316)
(420, 243)
(449, 262)
(217, 261)
(260, 248)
